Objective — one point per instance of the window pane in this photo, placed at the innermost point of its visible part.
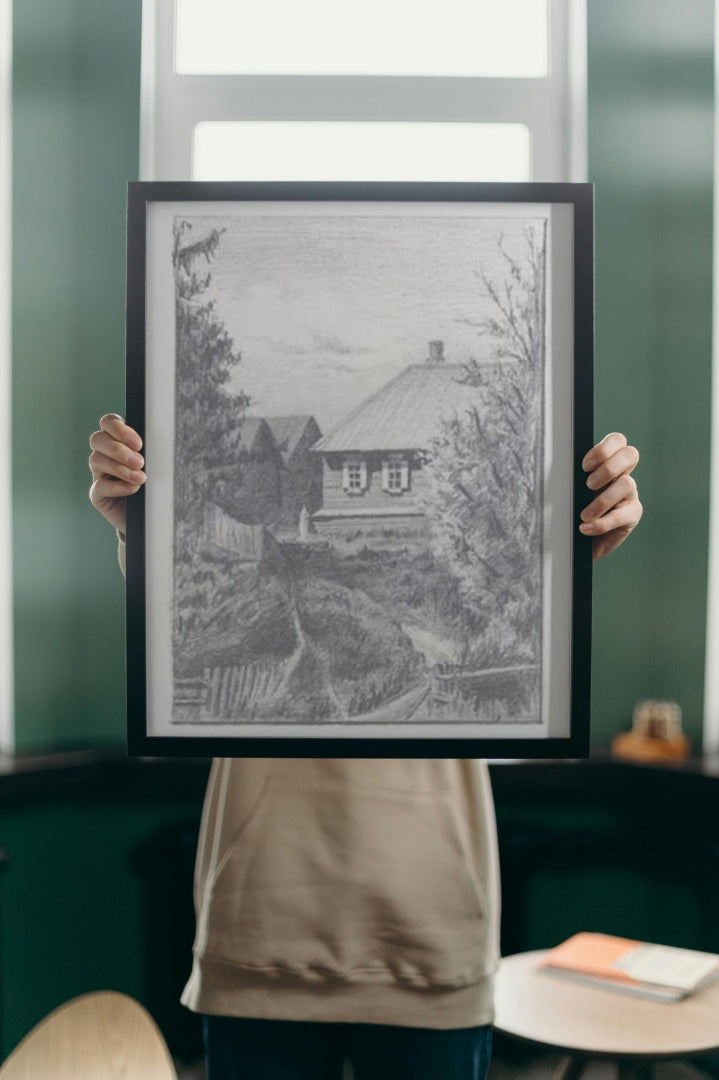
(279, 150)
(500, 38)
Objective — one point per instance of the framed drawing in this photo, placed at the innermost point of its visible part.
(364, 409)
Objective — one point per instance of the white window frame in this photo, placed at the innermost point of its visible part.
(389, 465)
(710, 728)
(354, 463)
(553, 108)
(7, 724)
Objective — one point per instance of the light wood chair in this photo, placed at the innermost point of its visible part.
(99, 1036)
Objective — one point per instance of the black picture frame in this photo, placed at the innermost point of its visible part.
(375, 217)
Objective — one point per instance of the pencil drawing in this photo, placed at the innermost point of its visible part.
(358, 470)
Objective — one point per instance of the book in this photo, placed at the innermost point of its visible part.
(660, 972)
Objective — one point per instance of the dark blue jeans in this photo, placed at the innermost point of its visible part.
(240, 1049)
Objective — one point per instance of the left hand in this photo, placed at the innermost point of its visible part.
(616, 510)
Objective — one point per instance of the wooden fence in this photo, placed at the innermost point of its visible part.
(238, 688)
(447, 679)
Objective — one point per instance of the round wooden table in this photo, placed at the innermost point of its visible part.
(588, 1022)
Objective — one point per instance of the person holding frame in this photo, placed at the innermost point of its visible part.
(349, 909)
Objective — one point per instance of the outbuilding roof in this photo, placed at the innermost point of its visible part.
(288, 431)
(406, 413)
(252, 429)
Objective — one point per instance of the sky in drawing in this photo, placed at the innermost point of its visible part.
(325, 310)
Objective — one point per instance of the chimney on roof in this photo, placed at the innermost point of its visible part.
(436, 352)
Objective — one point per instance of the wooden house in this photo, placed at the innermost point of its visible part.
(256, 496)
(301, 475)
(278, 474)
(374, 461)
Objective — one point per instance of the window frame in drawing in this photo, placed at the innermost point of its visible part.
(413, 633)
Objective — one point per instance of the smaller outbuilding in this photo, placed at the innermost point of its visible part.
(279, 477)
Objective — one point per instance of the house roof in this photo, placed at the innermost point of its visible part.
(288, 431)
(251, 429)
(405, 414)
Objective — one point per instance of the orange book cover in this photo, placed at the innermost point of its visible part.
(661, 971)
(592, 954)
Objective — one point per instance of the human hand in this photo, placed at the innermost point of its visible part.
(116, 467)
(610, 517)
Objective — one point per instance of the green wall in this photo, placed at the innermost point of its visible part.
(76, 89)
(74, 899)
(75, 146)
(650, 156)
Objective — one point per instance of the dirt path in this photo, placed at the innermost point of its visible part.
(397, 711)
(430, 646)
(306, 647)
(434, 649)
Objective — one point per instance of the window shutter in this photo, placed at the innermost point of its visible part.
(385, 475)
(363, 474)
(405, 475)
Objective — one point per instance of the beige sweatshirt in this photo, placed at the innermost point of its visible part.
(347, 890)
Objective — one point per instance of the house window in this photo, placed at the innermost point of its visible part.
(354, 476)
(395, 475)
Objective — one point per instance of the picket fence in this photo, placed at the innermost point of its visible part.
(236, 688)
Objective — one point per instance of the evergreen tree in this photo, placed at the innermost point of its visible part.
(207, 417)
(208, 420)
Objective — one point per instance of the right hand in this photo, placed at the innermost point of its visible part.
(116, 466)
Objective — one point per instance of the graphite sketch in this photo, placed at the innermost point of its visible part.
(358, 469)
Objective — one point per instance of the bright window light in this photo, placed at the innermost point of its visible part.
(490, 38)
(315, 150)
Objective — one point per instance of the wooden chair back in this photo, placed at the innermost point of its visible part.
(99, 1036)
